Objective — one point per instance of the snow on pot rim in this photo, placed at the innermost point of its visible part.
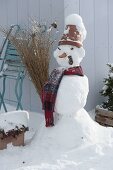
(11, 119)
(102, 108)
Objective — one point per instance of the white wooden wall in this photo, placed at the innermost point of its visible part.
(20, 12)
(98, 19)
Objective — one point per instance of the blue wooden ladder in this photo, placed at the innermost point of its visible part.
(11, 68)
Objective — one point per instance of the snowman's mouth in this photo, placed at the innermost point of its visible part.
(70, 60)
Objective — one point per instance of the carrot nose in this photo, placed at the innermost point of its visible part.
(63, 55)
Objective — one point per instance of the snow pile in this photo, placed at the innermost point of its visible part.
(69, 133)
(93, 148)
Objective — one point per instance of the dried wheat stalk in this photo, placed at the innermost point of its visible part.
(34, 46)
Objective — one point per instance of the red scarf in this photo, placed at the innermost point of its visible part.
(50, 89)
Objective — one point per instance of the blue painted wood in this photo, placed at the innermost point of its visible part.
(11, 68)
(2, 95)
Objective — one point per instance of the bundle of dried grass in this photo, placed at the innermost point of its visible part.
(34, 45)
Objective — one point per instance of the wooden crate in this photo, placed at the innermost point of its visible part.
(104, 117)
(16, 141)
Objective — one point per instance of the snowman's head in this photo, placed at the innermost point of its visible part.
(70, 49)
(68, 55)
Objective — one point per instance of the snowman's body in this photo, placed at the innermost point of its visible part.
(71, 95)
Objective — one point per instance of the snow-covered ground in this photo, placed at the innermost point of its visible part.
(88, 156)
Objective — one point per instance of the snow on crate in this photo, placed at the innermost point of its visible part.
(10, 120)
(13, 125)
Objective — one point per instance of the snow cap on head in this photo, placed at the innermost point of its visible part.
(75, 32)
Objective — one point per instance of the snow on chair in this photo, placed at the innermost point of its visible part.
(11, 68)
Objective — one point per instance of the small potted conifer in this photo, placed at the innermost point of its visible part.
(104, 113)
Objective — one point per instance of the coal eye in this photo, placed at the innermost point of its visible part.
(59, 48)
(72, 48)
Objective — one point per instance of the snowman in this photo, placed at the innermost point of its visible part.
(65, 93)
(73, 90)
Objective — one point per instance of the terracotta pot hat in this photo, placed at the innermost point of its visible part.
(74, 33)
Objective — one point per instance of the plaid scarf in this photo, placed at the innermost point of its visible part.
(50, 89)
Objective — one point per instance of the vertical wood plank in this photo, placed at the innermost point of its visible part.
(57, 17)
(23, 21)
(3, 13)
(26, 94)
(23, 16)
(34, 13)
(101, 44)
(11, 12)
(71, 6)
(36, 104)
(11, 20)
(34, 10)
(3, 18)
(88, 62)
(45, 18)
(110, 33)
(45, 12)
(4, 24)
